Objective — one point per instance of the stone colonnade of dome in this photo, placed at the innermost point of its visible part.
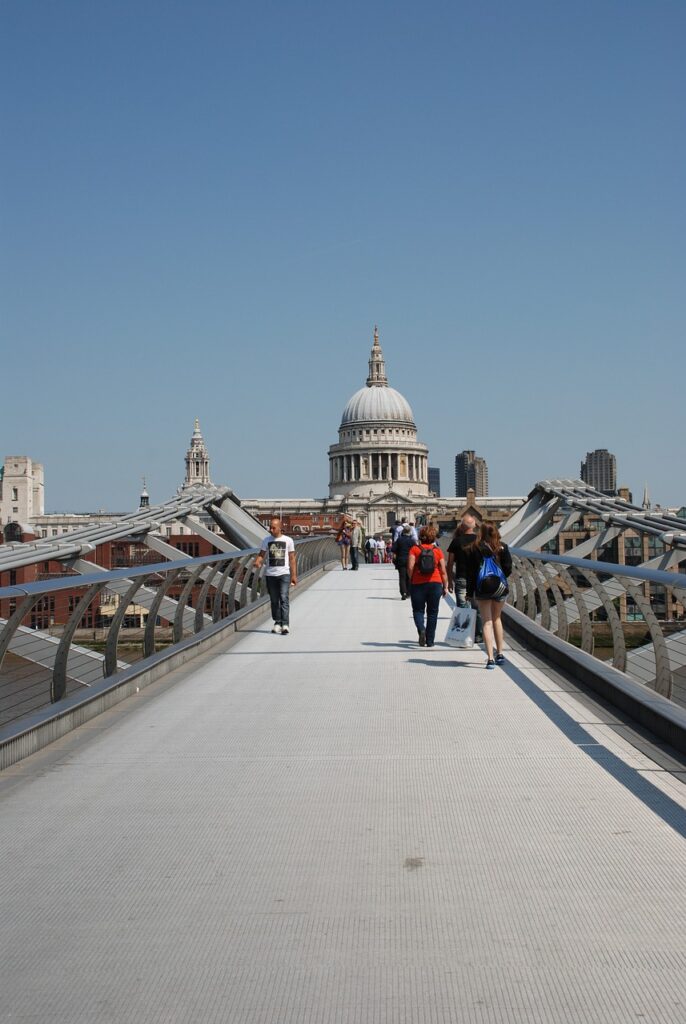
(380, 464)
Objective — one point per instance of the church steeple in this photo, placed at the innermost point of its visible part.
(197, 460)
(145, 497)
(377, 368)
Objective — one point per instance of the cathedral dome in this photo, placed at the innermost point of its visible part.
(377, 404)
(378, 453)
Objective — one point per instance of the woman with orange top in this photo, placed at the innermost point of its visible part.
(427, 584)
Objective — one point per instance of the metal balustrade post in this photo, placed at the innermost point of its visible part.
(58, 687)
(584, 617)
(230, 572)
(254, 592)
(110, 663)
(562, 625)
(177, 629)
(527, 582)
(542, 586)
(618, 641)
(239, 577)
(14, 622)
(149, 635)
(663, 670)
(203, 595)
(517, 593)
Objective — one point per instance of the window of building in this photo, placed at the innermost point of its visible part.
(53, 532)
(191, 548)
(15, 494)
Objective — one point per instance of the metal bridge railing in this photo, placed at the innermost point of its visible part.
(38, 669)
(560, 592)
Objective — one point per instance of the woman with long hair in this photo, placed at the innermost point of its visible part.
(343, 540)
(485, 564)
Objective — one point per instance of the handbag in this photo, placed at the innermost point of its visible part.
(462, 628)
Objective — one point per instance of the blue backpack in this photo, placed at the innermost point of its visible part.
(491, 582)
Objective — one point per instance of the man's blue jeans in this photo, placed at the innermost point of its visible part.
(278, 587)
(426, 596)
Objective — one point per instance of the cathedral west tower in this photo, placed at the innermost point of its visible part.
(197, 460)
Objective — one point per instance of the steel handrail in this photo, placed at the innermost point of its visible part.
(149, 569)
(666, 579)
(231, 575)
(530, 590)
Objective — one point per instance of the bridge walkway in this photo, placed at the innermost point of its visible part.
(339, 826)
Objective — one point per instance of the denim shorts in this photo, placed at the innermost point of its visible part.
(501, 599)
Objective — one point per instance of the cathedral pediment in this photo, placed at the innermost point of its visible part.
(391, 497)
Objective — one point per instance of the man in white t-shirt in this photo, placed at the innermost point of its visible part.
(280, 573)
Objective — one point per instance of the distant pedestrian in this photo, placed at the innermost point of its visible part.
(280, 573)
(401, 553)
(398, 529)
(369, 550)
(490, 589)
(429, 580)
(343, 541)
(355, 544)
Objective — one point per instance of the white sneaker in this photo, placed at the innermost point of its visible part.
(276, 628)
(285, 629)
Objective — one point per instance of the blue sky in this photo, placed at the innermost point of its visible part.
(205, 208)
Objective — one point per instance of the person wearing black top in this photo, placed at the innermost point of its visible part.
(466, 533)
(401, 552)
(491, 600)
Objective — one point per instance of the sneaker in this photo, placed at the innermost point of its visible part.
(429, 644)
(500, 659)
(490, 663)
(284, 629)
(422, 638)
(276, 628)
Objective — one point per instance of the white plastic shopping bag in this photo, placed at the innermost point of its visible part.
(462, 628)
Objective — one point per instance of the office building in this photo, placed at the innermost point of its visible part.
(471, 472)
(600, 471)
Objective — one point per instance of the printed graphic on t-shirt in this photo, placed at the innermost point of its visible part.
(276, 554)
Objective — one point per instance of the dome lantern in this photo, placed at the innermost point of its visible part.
(377, 368)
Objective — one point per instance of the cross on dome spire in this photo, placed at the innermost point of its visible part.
(377, 368)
